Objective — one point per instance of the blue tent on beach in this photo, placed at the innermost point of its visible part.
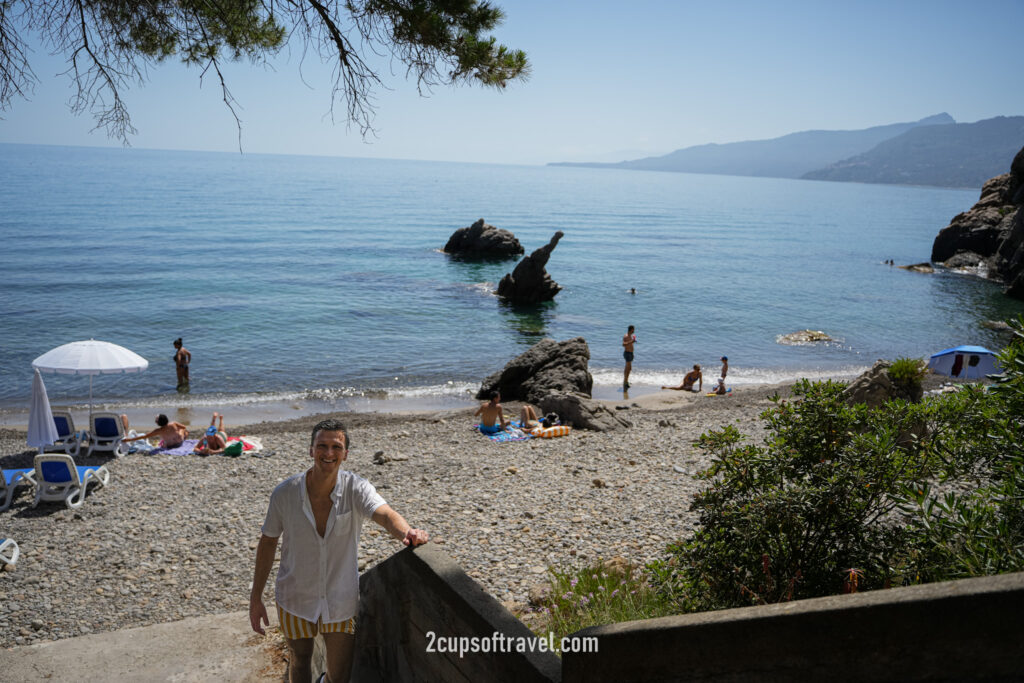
(964, 362)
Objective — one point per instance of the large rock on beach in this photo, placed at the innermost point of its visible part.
(546, 367)
(582, 412)
(989, 238)
(529, 283)
(875, 386)
(482, 240)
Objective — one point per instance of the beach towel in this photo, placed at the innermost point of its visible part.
(513, 434)
(250, 445)
(186, 447)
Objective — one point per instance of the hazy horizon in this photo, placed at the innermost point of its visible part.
(607, 84)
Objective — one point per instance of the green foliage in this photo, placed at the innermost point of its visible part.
(599, 594)
(907, 374)
(976, 526)
(110, 43)
(808, 512)
(839, 498)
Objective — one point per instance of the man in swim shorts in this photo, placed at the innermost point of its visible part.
(492, 419)
(320, 513)
(171, 434)
(628, 340)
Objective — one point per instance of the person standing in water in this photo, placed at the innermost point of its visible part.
(181, 360)
(628, 340)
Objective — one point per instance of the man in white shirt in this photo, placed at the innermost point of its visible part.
(320, 513)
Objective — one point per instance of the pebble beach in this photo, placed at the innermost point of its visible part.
(172, 537)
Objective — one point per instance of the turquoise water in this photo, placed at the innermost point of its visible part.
(311, 278)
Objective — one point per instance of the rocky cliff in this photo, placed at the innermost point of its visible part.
(990, 236)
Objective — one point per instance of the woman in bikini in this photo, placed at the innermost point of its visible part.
(181, 360)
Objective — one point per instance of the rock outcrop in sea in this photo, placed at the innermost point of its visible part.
(529, 283)
(546, 367)
(482, 240)
(803, 337)
(989, 238)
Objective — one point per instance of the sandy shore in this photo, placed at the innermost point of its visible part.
(174, 536)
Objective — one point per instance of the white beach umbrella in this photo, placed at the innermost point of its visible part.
(90, 358)
(41, 430)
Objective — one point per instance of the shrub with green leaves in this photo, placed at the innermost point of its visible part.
(907, 374)
(975, 526)
(810, 512)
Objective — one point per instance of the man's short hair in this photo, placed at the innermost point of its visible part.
(162, 420)
(493, 395)
(330, 425)
(630, 329)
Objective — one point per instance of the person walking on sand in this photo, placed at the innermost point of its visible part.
(492, 418)
(320, 513)
(171, 434)
(691, 377)
(182, 358)
(628, 340)
(725, 366)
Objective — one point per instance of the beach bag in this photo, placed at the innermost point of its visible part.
(234, 449)
(549, 420)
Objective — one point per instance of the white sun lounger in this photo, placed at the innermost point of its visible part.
(57, 478)
(9, 551)
(12, 479)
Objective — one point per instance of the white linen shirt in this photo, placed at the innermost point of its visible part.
(318, 578)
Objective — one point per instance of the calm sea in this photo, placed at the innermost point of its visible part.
(314, 281)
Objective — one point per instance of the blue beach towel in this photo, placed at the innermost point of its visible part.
(515, 434)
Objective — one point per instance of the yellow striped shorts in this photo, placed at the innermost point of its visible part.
(295, 628)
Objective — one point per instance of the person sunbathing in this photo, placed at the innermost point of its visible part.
(528, 418)
(492, 419)
(691, 377)
(216, 439)
(171, 434)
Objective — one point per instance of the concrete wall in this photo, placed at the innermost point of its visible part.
(420, 590)
(967, 630)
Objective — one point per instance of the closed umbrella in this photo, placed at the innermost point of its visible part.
(91, 358)
(41, 430)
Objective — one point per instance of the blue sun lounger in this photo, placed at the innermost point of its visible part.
(8, 551)
(11, 480)
(106, 433)
(57, 478)
(68, 440)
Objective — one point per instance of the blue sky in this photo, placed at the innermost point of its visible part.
(611, 80)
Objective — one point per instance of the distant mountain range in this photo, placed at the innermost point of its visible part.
(933, 151)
